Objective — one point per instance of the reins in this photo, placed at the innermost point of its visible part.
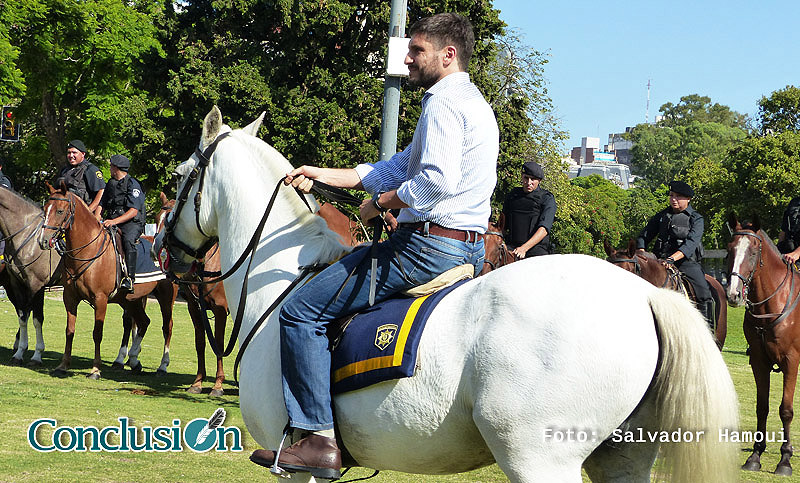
(171, 240)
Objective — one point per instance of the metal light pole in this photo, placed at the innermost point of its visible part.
(391, 90)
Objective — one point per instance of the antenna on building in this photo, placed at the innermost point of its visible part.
(647, 109)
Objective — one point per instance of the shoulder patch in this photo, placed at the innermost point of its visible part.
(98, 174)
(136, 193)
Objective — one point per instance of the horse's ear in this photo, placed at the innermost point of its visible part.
(608, 248)
(50, 188)
(733, 223)
(756, 222)
(164, 198)
(62, 187)
(631, 248)
(211, 126)
(252, 128)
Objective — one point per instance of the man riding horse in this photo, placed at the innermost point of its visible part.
(679, 233)
(442, 182)
(529, 211)
(82, 177)
(123, 206)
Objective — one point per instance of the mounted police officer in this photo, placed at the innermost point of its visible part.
(123, 206)
(529, 211)
(82, 177)
(679, 233)
(789, 236)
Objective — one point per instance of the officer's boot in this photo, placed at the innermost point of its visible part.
(130, 272)
(708, 312)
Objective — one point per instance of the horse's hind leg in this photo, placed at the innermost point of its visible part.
(37, 310)
(21, 340)
(199, 343)
(97, 336)
(127, 325)
(166, 292)
(220, 320)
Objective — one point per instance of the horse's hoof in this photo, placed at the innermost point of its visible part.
(117, 366)
(783, 470)
(137, 369)
(194, 390)
(34, 363)
(751, 466)
(15, 362)
(161, 373)
(58, 372)
(217, 393)
(93, 376)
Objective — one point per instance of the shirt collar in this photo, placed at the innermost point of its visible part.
(447, 81)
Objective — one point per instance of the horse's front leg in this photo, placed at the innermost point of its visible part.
(761, 371)
(97, 335)
(199, 343)
(220, 320)
(71, 306)
(21, 340)
(789, 368)
(166, 294)
(141, 321)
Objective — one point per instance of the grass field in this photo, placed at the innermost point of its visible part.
(29, 394)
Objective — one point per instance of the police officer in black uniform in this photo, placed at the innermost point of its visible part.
(789, 236)
(82, 177)
(529, 211)
(679, 233)
(123, 206)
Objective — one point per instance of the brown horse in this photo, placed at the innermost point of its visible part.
(647, 266)
(497, 252)
(770, 289)
(90, 266)
(214, 292)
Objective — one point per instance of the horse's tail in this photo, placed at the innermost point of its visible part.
(693, 392)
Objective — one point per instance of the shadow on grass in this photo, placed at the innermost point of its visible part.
(172, 385)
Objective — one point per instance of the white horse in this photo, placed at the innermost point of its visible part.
(543, 366)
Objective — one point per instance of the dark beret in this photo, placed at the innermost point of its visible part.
(533, 169)
(77, 144)
(120, 162)
(681, 188)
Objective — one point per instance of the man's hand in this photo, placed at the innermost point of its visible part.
(791, 257)
(303, 178)
(519, 252)
(367, 210)
(109, 223)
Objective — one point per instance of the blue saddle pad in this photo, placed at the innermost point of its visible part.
(381, 343)
(146, 269)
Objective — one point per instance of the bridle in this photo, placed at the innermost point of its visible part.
(502, 248)
(757, 262)
(60, 231)
(637, 267)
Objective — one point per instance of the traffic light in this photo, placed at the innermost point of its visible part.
(10, 127)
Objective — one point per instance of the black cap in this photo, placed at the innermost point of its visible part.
(681, 188)
(121, 162)
(77, 144)
(533, 169)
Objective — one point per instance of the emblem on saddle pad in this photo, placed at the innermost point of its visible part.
(384, 335)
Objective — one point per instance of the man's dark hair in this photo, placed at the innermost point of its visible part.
(448, 29)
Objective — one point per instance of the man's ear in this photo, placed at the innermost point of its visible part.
(450, 56)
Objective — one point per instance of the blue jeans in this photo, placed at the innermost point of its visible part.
(305, 357)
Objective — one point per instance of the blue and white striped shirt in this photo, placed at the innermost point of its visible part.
(448, 172)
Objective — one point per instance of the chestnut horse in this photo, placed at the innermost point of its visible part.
(496, 251)
(647, 266)
(214, 292)
(768, 286)
(90, 274)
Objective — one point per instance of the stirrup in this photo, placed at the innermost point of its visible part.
(275, 469)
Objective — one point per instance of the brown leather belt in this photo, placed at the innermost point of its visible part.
(438, 230)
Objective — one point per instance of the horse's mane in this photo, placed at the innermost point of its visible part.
(314, 229)
(766, 239)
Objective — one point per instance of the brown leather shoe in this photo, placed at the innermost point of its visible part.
(315, 454)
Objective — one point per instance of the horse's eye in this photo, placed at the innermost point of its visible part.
(60, 212)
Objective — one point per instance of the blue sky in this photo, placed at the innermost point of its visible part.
(601, 55)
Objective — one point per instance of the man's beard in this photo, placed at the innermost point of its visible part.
(424, 79)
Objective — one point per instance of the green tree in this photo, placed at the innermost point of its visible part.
(79, 61)
(780, 111)
(12, 84)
